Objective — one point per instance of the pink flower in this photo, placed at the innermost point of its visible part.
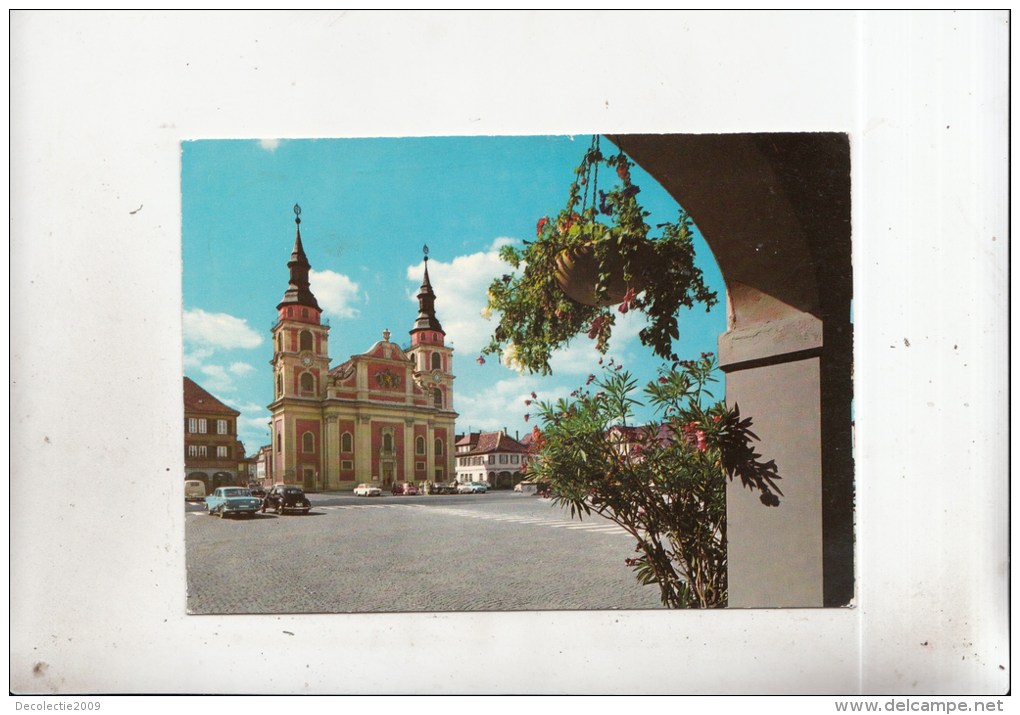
(541, 224)
(527, 402)
(629, 301)
(527, 417)
(590, 380)
(623, 171)
(480, 360)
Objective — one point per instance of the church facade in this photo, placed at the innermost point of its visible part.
(383, 416)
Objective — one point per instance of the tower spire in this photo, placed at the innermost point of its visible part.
(298, 292)
(426, 302)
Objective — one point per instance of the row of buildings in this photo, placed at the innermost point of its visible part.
(383, 416)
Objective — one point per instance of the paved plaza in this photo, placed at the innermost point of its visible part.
(486, 552)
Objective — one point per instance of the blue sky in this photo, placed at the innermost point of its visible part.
(368, 206)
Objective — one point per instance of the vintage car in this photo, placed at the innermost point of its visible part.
(285, 497)
(409, 490)
(367, 490)
(473, 488)
(194, 490)
(231, 501)
(530, 487)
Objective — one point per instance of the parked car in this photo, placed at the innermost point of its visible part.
(443, 488)
(194, 490)
(397, 489)
(284, 497)
(530, 487)
(367, 490)
(231, 501)
(410, 490)
(473, 488)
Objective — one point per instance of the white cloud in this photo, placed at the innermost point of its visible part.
(503, 403)
(336, 293)
(216, 380)
(218, 330)
(580, 357)
(196, 357)
(461, 286)
(269, 144)
(249, 407)
(241, 368)
(253, 431)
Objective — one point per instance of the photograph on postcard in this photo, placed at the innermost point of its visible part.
(504, 373)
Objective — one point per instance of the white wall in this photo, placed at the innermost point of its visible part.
(99, 104)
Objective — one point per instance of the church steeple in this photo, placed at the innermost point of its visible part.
(298, 292)
(426, 303)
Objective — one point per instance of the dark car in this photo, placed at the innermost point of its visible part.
(283, 498)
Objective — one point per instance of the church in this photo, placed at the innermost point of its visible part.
(381, 417)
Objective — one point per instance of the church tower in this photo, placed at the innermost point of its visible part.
(300, 364)
(382, 417)
(433, 361)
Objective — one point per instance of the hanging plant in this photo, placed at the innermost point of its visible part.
(594, 259)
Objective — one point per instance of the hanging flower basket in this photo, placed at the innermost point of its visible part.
(595, 254)
(578, 268)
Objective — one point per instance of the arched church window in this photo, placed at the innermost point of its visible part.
(346, 442)
(279, 384)
(437, 361)
(307, 382)
(308, 443)
(437, 397)
(439, 446)
(419, 445)
(387, 441)
(306, 340)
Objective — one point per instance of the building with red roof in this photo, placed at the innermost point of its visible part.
(495, 458)
(212, 452)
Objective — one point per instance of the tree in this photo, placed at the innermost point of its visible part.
(663, 482)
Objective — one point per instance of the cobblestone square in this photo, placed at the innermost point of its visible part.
(487, 552)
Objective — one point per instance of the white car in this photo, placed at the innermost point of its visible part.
(473, 488)
(194, 490)
(367, 490)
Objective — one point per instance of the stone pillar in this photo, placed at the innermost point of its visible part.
(430, 451)
(409, 474)
(776, 553)
(331, 453)
(363, 449)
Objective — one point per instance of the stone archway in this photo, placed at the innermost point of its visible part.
(775, 209)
